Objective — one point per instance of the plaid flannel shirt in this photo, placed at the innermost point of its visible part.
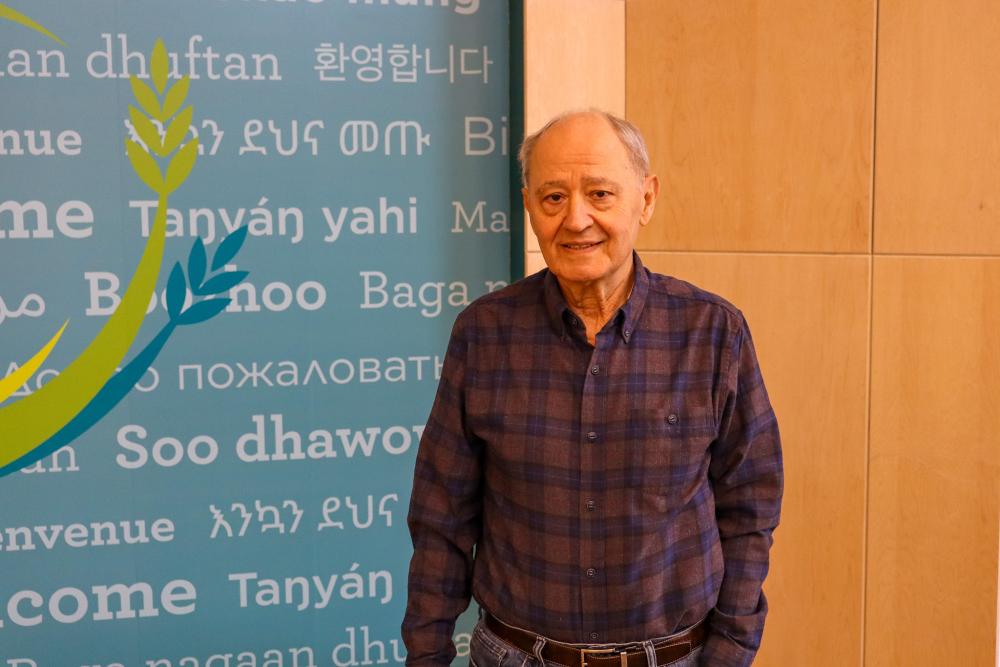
(613, 493)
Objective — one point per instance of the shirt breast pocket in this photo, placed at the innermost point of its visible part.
(670, 445)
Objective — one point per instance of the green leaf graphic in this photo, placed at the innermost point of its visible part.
(177, 130)
(229, 247)
(181, 165)
(222, 282)
(158, 66)
(146, 98)
(197, 263)
(203, 310)
(146, 130)
(175, 291)
(175, 98)
(144, 166)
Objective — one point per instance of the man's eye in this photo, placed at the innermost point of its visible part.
(601, 194)
(555, 198)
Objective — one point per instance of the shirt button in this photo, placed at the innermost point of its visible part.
(671, 418)
(592, 435)
(594, 370)
(594, 635)
(591, 505)
(591, 572)
(627, 333)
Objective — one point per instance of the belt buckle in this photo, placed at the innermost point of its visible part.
(585, 651)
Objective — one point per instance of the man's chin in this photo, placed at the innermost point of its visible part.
(578, 274)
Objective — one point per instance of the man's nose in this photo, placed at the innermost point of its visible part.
(577, 215)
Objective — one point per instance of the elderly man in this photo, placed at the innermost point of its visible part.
(601, 469)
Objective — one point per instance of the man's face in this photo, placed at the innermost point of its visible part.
(586, 202)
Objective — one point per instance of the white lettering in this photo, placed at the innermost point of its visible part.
(480, 138)
(115, 60)
(167, 452)
(429, 297)
(39, 143)
(74, 220)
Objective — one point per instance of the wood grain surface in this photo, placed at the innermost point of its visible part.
(759, 119)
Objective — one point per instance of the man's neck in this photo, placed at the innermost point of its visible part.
(596, 303)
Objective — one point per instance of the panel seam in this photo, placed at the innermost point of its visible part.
(869, 362)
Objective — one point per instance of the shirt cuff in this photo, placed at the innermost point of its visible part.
(721, 651)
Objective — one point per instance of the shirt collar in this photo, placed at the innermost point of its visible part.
(627, 318)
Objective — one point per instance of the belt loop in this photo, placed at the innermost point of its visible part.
(537, 650)
(650, 653)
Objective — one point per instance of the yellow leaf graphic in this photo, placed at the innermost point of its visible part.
(146, 98)
(18, 17)
(175, 98)
(9, 384)
(144, 166)
(177, 130)
(158, 66)
(146, 130)
(181, 165)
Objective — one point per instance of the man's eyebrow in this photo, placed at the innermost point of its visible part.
(599, 180)
(588, 181)
(550, 184)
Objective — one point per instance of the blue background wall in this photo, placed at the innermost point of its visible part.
(343, 363)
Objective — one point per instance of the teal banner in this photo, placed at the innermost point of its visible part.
(234, 236)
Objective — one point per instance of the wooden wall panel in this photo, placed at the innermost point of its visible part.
(935, 462)
(809, 318)
(759, 118)
(575, 51)
(937, 142)
(574, 58)
(761, 123)
(533, 262)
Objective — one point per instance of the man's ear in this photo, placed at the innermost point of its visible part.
(650, 191)
(524, 196)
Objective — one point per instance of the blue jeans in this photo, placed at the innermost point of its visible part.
(488, 650)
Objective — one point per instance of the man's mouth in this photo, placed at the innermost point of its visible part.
(580, 246)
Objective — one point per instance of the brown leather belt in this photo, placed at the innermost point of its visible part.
(622, 655)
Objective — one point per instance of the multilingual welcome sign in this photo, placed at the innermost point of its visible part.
(234, 235)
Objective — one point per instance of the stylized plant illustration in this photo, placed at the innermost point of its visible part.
(178, 169)
(142, 161)
(89, 388)
(200, 286)
(11, 14)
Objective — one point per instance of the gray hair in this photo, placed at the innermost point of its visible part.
(627, 132)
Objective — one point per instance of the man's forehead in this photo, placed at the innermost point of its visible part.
(580, 131)
(586, 141)
(564, 168)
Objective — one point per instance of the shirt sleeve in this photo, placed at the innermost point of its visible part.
(444, 517)
(746, 476)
